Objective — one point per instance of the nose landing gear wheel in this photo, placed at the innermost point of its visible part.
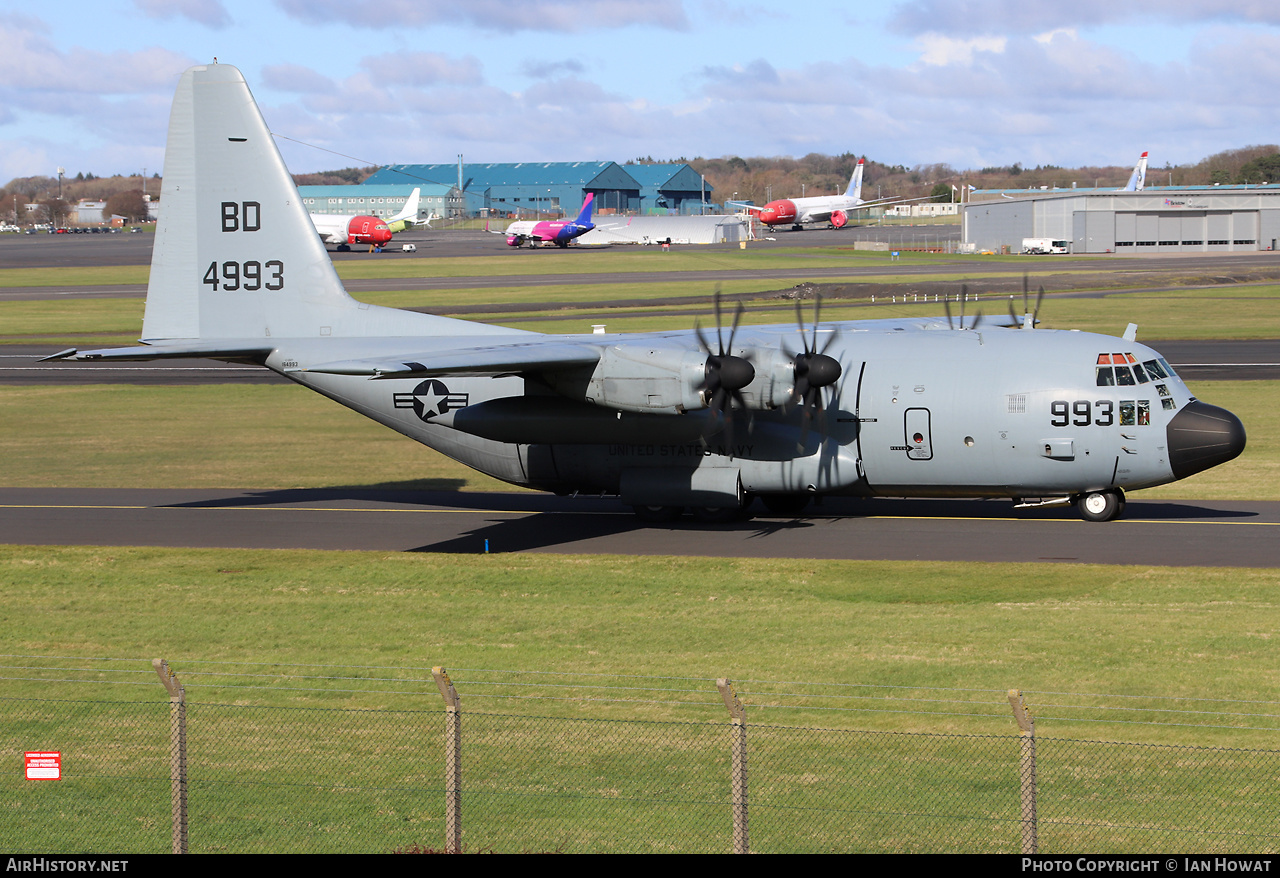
(1101, 505)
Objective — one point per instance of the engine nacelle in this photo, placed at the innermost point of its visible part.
(638, 378)
(657, 380)
(774, 382)
(838, 219)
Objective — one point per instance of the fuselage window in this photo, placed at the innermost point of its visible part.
(1106, 378)
(1154, 370)
(1144, 412)
(1139, 374)
(1124, 376)
(1168, 370)
(1128, 413)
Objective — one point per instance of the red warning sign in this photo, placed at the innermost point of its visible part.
(44, 766)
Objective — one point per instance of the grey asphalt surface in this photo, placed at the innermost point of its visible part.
(1164, 533)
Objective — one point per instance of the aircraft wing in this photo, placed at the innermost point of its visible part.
(739, 205)
(540, 356)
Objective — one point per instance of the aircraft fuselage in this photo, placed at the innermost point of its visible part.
(955, 413)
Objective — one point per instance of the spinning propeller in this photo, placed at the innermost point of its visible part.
(814, 369)
(964, 295)
(725, 375)
(1026, 306)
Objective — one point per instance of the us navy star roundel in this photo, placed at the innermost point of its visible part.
(430, 399)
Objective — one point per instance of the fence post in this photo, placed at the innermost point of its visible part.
(741, 840)
(1027, 771)
(452, 761)
(177, 752)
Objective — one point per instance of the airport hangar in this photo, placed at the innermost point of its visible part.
(435, 200)
(538, 188)
(1158, 219)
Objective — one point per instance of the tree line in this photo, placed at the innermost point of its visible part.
(757, 179)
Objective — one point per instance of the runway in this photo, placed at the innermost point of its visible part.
(1153, 533)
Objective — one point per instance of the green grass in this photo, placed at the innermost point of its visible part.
(277, 766)
(1225, 312)
(983, 627)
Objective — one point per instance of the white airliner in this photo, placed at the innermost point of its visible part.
(347, 230)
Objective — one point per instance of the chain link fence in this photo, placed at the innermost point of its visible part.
(277, 778)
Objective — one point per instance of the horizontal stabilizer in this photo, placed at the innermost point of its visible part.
(213, 349)
(481, 360)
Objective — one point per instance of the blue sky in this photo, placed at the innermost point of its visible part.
(87, 86)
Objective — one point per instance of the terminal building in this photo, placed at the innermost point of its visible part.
(1158, 219)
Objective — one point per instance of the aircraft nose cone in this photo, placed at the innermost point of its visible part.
(1202, 436)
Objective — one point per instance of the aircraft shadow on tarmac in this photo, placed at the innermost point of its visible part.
(443, 495)
(547, 530)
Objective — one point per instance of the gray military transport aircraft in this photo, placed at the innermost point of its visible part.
(668, 421)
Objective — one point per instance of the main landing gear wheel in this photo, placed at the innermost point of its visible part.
(1101, 505)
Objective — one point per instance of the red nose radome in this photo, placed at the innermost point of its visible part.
(776, 212)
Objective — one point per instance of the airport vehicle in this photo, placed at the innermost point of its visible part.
(560, 233)
(347, 230)
(668, 421)
(1044, 245)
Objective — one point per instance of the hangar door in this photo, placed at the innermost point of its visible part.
(1147, 232)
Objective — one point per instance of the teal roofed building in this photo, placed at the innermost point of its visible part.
(527, 188)
(435, 200)
(670, 188)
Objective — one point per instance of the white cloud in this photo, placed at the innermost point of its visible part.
(939, 50)
(561, 16)
(210, 13)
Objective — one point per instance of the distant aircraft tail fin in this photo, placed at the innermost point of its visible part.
(236, 255)
(1138, 178)
(584, 215)
(409, 215)
(855, 182)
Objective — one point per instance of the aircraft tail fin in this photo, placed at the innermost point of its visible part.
(236, 255)
(1138, 179)
(409, 215)
(855, 182)
(584, 215)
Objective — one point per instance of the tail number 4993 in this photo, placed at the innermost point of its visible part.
(250, 276)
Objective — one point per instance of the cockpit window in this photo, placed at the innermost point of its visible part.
(1124, 369)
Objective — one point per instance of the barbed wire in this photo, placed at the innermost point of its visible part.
(595, 687)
